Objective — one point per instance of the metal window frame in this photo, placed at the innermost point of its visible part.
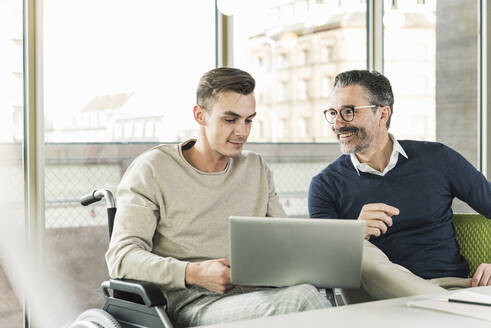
(375, 35)
(33, 143)
(484, 89)
(224, 39)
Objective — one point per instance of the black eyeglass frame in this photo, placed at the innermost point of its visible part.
(342, 110)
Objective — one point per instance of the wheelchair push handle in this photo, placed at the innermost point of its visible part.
(96, 196)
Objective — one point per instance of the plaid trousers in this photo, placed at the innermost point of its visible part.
(197, 306)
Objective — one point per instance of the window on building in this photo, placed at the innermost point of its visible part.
(282, 60)
(303, 89)
(303, 57)
(326, 86)
(327, 54)
(282, 128)
(282, 91)
(303, 127)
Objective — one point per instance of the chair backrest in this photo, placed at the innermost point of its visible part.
(474, 238)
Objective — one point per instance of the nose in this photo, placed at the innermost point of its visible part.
(338, 123)
(241, 129)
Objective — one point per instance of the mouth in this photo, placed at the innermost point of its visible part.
(236, 143)
(343, 134)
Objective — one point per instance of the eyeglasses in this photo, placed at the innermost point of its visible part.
(347, 113)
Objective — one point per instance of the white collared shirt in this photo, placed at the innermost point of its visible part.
(396, 150)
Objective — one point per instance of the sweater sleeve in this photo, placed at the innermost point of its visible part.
(467, 183)
(274, 206)
(320, 202)
(130, 250)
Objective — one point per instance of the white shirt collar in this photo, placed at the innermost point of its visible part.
(396, 150)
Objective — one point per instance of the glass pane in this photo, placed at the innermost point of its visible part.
(431, 53)
(294, 49)
(410, 45)
(120, 76)
(11, 169)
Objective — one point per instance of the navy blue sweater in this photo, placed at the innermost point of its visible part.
(422, 237)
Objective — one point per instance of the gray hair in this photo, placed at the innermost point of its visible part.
(377, 85)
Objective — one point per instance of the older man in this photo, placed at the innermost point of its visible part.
(403, 190)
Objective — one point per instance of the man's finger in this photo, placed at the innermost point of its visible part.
(476, 278)
(381, 207)
(373, 231)
(226, 275)
(376, 216)
(378, 225)
(486, 278)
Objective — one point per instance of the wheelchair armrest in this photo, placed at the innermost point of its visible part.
(149, 292)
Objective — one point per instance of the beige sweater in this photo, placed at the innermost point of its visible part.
(170, 213)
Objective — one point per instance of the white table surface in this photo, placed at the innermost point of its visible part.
(392, 313)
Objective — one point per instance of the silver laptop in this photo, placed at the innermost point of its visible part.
(267, 251)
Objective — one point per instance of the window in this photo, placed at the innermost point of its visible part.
(100, 88)
(282, 91)
(327, 54)
(258, 130)
(303, 57)
(303, 127)
(326, 86)
(260, 62)
(302, 89)
(108, 81)
(410, 43)
(282, 60)
(300, 50)
(12, 230)
(282, 128)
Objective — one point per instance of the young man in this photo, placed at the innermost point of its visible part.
(403, 190)
(174, 201)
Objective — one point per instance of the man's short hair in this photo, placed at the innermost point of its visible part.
(378, 87)
(221, 80)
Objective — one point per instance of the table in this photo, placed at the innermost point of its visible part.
(391, 313)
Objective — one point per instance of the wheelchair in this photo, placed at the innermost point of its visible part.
(132, 303)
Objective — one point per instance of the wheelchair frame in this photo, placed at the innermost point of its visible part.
(133, 303)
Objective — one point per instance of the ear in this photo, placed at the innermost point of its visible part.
(385, 114)
(199, 114)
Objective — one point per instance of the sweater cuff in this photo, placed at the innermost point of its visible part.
(181, 274)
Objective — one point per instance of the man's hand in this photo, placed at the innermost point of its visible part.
(482, 276)
(378, 217)
(213, 275)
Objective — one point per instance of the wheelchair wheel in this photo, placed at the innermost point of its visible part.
(95, 318)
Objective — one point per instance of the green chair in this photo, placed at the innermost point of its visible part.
(474, 238)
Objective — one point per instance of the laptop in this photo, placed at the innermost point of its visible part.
(278, 252)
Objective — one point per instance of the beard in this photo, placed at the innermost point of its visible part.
(360, 142)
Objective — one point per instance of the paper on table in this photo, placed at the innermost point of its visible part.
(470, 310)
